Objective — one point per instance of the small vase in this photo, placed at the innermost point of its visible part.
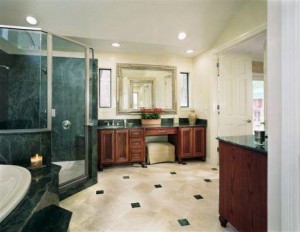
(192, 117)
(151, 121)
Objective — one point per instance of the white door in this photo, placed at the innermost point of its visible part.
(235, 94)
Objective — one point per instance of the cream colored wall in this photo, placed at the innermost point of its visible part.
(251, 14)
(109, 60)
(204, 66)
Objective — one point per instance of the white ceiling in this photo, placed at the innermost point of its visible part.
(140, 26)
(255, 45)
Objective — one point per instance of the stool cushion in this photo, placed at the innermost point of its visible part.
(161, 147)
(158, 152)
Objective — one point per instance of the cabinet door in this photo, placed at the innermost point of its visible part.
(107, 146)
(186, 142)
(199, 141)
(121, 141)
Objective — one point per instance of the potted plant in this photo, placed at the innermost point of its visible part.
(151, 116)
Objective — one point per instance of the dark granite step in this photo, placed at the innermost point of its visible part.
(50, 219)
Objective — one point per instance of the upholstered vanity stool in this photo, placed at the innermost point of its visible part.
(158, 152)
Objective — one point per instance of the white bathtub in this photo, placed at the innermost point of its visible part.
(14, 184)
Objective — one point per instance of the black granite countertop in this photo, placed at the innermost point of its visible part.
(246, 141)
(136, 123)
(42, 181)
(150, 126)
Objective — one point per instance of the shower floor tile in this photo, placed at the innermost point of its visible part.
(160, 210)
(70, 170)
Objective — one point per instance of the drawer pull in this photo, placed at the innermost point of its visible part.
(162, 131)
(136, 143)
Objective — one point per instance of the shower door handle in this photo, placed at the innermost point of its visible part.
(66, 124)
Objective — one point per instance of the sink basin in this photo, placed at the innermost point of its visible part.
(14, 184)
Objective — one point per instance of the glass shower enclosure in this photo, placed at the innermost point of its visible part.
(48, 85)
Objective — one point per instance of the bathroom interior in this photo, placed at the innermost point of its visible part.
(77, 152)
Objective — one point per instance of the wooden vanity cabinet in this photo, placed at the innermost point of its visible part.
(128, 145)
(191, 143)
(113, 147)
(121, 146)
(243, 188)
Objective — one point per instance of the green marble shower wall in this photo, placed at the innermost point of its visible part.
(23, 92)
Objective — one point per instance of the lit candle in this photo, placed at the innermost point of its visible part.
(36, 161)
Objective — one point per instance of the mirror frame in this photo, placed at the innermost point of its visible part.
(122, 66)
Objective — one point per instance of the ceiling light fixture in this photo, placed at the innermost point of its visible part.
(31, 20)
(181, 35)
(189, 51)
(116, 45)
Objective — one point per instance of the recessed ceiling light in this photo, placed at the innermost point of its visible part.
(31, 20)
(116, 45)
(189, 51)
(181, 35)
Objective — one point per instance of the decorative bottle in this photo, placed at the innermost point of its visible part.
(192, 117)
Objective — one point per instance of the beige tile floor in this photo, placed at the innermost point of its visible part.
(161, 208)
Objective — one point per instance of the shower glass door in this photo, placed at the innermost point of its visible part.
(68, 109)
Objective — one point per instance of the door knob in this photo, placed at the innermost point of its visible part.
(66, 124)
(248, 121)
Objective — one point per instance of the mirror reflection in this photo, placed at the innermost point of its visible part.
(141, 94)
(145, 86)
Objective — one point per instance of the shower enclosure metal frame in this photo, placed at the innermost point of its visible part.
(88, 120)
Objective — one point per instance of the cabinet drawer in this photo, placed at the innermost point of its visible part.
(161, 131)
(136, 132)
(137, 155)
(136, 142)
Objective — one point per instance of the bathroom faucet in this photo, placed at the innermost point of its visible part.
(116, 123)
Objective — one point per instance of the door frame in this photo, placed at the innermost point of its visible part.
(214, 94)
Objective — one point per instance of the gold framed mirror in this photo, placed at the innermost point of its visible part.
(142, 85)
